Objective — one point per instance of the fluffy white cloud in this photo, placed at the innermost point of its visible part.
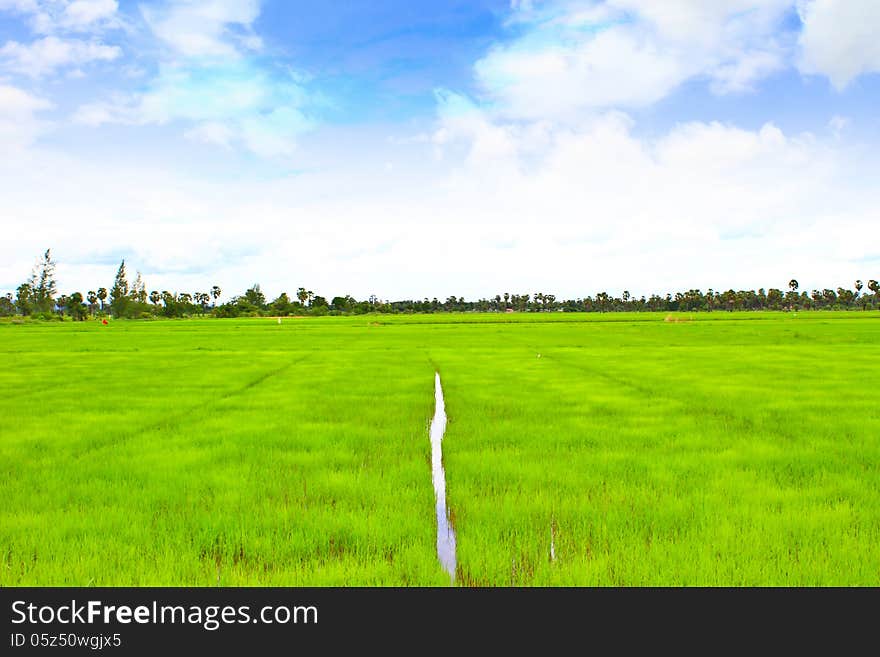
(517, 206)
(19, 124)
(575, 56)
(205, 28)
(44, 56)
(52, 16)
(205, 80)
(212, 132)
(228, 104)
(707, 202)
(81, 14)
(840, 39)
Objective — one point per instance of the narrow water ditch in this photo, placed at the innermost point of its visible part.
(445, 531)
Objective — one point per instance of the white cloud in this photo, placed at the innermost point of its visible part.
(236, 103)
(576, 56)
(44, 56)
(740, 74)
(614, 68)
(707, 202)
(96, 114)
(204, 28)
(840, 39)
(81, 14)
(54, 16)
(518, 206)
(212, 132)
(205, 79)
(19, 124)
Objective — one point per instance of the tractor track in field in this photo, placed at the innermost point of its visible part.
(189, 414)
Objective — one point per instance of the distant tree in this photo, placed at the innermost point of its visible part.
(119, 292)
(61, 304)
(138, 289)
(24, 300)
(102, 296)
(343, 304)
(155, 297)
(793, 285)
(42, 283)
(281, 305)
(255, 296)
(216, 292)
(92, 298)
(75, 306)
(828, 297)
(302, 295)
(874, 287)
(7, 307)
(204, 298)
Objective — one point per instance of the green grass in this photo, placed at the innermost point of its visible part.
(726, 449)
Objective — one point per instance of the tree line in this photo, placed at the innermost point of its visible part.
(38, 297)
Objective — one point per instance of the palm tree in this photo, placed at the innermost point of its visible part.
(302, 295)
(874, 286)
(92, 297)
(102, 295)
(793, 286)
(215, 292)
(864, 301)
(155, 297)
(75, 305)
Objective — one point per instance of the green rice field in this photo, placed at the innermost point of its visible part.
(581, 449)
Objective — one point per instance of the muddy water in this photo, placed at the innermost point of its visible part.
(445, 532)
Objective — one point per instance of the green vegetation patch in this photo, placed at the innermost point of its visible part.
(719, 449)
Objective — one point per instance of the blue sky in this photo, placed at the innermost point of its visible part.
(432, 148)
